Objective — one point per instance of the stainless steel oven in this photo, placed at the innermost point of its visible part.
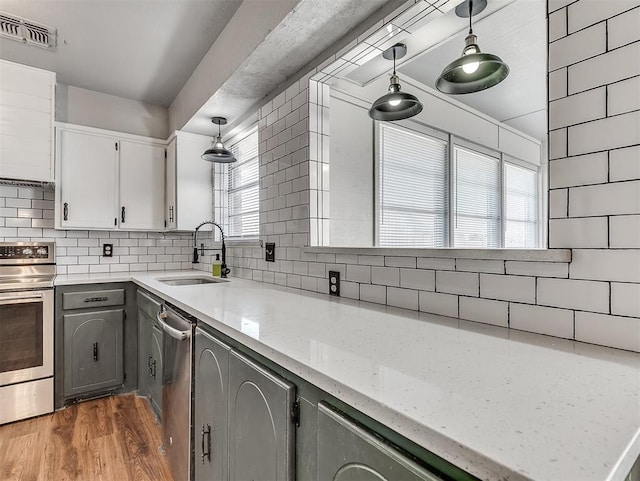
(27, 271)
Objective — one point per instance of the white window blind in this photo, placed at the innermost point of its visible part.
(476, 200)
(521, 207)
(412, 194)
(243, 189)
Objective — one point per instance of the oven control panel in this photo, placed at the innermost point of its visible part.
(36, 252)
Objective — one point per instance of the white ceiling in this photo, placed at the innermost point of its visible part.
(137, 49)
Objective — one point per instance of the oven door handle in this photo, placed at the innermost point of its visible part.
(172, 331)
(21, 299)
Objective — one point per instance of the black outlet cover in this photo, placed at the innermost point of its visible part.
(107, 250)
(334, 283)
(270, 252)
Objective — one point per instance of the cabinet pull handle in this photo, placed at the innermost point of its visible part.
(65, 211)
(95, 299)
(122, 214)
(171, 213)
(95, 352)
(206, 453)
(152, 369)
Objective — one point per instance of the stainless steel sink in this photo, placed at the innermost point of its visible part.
(190, 281)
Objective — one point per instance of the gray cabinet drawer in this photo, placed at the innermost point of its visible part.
(91, 299)
(348, 452)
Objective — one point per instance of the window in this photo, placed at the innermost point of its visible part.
(493, 200)
(243, 189)
(412, 189)
(476, 199)
(521, 207)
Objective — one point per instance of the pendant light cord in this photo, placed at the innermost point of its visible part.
(470, 13)
(394, 61)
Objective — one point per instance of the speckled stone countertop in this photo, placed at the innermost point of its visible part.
(498, 403)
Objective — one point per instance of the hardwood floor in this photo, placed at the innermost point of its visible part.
(108, 439)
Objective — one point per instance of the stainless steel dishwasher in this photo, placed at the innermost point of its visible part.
(176, 389)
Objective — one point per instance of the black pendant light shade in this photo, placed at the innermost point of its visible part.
(395, 105)
(473, 71)
(218, 153)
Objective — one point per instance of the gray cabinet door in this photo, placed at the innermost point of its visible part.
(211, 443)
(144, 353)
(261, 432)
(348, 452)
(93, 356)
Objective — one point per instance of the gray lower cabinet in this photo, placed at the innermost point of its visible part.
(348, 452)
(261, 429)
(93, 351)
(149, 351)
(210, 419)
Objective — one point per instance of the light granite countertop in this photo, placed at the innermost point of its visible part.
(498, 403)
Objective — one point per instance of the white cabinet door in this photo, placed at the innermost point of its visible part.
(141, 185)
(26, 122)
(189, 186)
(170, 192)
(87, 186)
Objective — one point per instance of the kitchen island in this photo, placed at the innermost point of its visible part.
(498, 403)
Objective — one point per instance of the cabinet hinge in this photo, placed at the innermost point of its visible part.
(295, 413)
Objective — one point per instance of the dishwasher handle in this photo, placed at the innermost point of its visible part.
(172, 331)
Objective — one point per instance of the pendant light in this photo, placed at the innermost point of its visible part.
(473, 71)
(218, 153)
(395, 105)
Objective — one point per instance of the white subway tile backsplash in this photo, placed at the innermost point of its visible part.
(625, 299)
(542, 320)
(420, 279)
(358, 273)
(578, 232)
(400, 262)
(474, 265)
(385, 276)
(350, 290)
(613, 66)
(606, 264)
(610, 133)
(587, 12)
(624, 231)
(558, 144)
(484, 310)
(613, 331)
(605, 199)
(579, 108)
(436, 303)
(558, 84)
(580, 170)
(557, 24)
(405, 298)
(373, 293)
(508, 288)
(463, 283)
(574, 294)
(623, 29)
(538, 269)
(437, 263)
(623, 96)
(371, 260)
(578, 46)
(623, 164)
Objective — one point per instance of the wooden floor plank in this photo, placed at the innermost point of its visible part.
(109, 439)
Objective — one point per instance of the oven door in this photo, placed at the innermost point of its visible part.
(26, 335)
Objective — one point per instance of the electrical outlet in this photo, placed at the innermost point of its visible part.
(270, 252)
(334, 283)
(107, 250)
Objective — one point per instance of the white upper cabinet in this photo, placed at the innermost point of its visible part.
(189, 188)
(27, 106)
(108, 180)
(141, 185)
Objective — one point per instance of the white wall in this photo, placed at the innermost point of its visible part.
(94, 109)
(352, 175)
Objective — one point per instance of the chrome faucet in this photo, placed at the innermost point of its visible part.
(224, 269)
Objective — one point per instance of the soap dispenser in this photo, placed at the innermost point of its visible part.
(216, 267)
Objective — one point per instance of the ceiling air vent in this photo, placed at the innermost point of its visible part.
(26, 31)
